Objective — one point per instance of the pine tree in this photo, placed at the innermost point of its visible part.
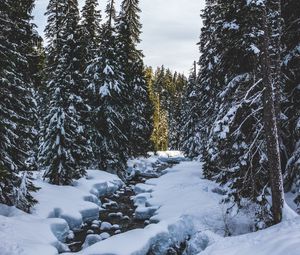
(209, 81)
(190, 136)
(90, 31)
(108, 88)
(16, 103)
(234, 137)
(64, 149)
(131, 61)
(175, 110)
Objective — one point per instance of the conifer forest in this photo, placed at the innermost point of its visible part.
(104, 151)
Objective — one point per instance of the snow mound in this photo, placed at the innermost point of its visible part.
(23, 234)
(78, 203)
(282, 239)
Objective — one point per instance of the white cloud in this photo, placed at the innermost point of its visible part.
(171, 29)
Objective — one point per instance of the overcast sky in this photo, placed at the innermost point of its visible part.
(171, 29)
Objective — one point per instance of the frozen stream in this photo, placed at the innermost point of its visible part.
(117, 214)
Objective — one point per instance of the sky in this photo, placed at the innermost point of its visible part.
(171, 30)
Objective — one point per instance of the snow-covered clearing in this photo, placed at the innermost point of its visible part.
(181, 205)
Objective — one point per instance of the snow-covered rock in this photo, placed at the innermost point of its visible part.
(91, 239)
(104, 235)
(144, 213)
(143, 188)
(116, 227)
(140, 199)
(200, 241)
(105, 226)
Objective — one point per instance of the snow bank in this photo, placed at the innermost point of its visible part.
(145, 165)
(185, 205)
(173, 154)
(78, 203)
(23, 234)
(282, 239)
(60, 209)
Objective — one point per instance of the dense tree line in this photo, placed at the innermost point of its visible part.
(81, 102)
(245, 125)
(166, 89)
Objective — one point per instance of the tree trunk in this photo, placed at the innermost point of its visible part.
(271, 129)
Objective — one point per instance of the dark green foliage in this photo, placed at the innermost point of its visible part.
(190, 142)
(138, 111)
(107, 89)
(16, 103)
(90, 31)
(166, 93)
(228, 116)
(64, 147)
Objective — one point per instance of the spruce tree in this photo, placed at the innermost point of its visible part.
(231, 96)
(16, 103)
(190, 136)
(90, 31)
(64, 149)
(108, 89)
(175, 110)
(138, 120)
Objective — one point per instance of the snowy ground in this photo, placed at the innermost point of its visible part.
(60, 210)
(180, 205)
(283, 239)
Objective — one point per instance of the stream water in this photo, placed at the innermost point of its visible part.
(116, 215)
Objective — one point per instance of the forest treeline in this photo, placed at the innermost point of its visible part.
(166, 90)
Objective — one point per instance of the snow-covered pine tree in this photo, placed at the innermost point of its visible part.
(90, 34)
(139, 123)
(180, 84)
(190, 142)
(208, 80)
(233, 131)
(16, 103)
(106, 82)
(31, 47)
(291, 106)
(90, 31)
(64, 149)
(160, 133)
(235, 153)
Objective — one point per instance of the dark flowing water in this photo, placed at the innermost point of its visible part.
(117, 212)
